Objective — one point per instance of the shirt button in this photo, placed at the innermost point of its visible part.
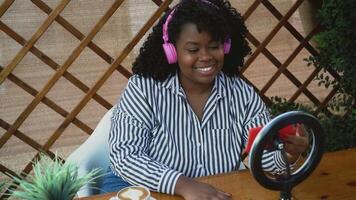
(200, 165)
(198, 144)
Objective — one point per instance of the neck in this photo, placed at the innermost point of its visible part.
(197, 89)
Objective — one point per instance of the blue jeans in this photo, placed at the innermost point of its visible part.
(112, 183)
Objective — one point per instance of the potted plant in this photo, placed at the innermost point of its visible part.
(308, 12)
(52, 179)
(2, 186)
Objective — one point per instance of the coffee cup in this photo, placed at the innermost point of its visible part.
(134, 193)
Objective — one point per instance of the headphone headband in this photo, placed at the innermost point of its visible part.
(165, 26)
(170, 16)
(169, 48)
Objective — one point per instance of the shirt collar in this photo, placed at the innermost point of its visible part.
(172, 83)
(220, 84)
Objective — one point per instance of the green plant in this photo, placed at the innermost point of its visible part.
(281, 105)
(52, 180)
(336, 44)
(340, 132)
(2, 186)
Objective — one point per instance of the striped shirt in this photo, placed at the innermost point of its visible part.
(155, 135)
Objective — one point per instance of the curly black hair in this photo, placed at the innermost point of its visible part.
(219, 19)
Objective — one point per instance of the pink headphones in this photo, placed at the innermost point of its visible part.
(169, 48)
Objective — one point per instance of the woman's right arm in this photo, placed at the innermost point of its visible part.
(129, 141)
(190, 189)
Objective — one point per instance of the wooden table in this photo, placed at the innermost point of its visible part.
(334, 178)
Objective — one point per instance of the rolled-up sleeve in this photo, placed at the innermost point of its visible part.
(258, 115)
(129, 141)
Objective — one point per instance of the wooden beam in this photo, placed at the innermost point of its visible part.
(4, 6)
(107, 74)
(289, 59)
(251, 9)
(48, 102)
(59, 73)
(76, 33)
(21, 54)
(23, 137)
(51, 63)
(278, 64)
(271, 34)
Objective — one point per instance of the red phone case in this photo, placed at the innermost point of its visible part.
(282, 134)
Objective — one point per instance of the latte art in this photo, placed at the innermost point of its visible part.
(134, 193)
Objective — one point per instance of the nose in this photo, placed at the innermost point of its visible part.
(205, 55)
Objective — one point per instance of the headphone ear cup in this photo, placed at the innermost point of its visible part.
(227, 46)
(171, 53)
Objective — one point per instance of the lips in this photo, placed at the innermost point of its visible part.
(205, 69)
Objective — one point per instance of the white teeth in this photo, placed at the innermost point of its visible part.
(204, 69)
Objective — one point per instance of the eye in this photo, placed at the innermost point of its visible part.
(214, 45)
(192, 50)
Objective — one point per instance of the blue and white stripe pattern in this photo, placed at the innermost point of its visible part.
(155, 135)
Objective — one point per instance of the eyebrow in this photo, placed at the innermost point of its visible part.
(197, 43)
(191, 42)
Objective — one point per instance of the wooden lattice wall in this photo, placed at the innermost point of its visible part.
(270, 70)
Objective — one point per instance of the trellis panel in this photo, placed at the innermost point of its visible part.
(8, 71)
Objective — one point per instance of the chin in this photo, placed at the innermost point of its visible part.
(206, 79)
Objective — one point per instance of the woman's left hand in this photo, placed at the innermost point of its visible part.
(296, 144)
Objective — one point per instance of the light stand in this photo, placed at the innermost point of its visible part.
(269, 133)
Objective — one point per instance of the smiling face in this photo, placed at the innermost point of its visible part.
(200, 58)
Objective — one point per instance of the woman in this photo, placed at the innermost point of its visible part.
(185, 113)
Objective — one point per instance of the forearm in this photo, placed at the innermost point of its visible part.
(142, 170)
(273, 162)
(182, 182)
(191, 189)
(292, 158)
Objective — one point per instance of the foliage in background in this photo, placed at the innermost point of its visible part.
(52, 180)
(336, 44)
(340, 132)
(2, 186)
(281, 105)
